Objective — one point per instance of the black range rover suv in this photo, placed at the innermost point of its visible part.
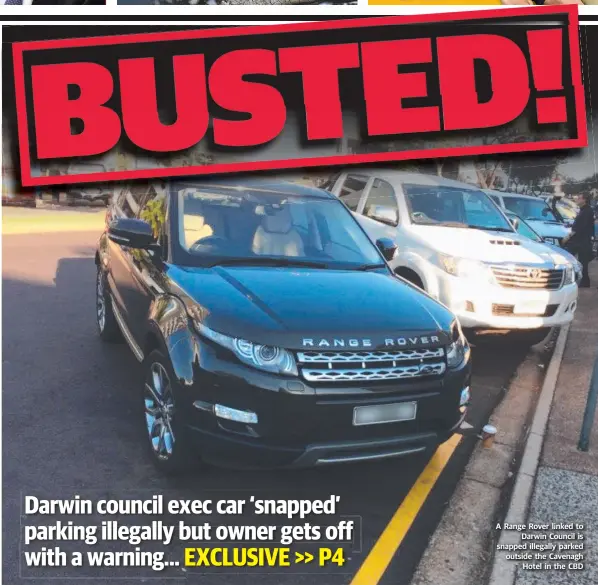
(271, 330)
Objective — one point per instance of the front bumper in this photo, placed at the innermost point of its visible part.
(300, 425)
(486, 305)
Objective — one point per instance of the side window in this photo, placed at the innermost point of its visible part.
(496, 200)
(152, 208)
(129, 200)
(329, 183)
(514, 205)
(352, 190)
(381, 203)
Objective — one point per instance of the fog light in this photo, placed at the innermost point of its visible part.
(465, 397)
(243, 416)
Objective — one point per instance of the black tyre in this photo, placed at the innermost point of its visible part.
(529, 337)
(107, 326)
(411, 277)
(166, 437)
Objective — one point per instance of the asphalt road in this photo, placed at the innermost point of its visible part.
(72, 425)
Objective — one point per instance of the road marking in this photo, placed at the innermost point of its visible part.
(376, 563)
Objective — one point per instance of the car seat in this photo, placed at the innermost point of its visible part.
(276, 235)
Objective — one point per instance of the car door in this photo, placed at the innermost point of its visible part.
(146, 268)
(350, 188)
(120, 278)
(123, 279)
(380, 211)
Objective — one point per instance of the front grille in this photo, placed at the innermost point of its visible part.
(508, 310)
(350, 366)
(529, 277)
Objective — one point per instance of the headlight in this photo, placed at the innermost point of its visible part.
(262, 357)
(464, 267)
(570, 276)
(458, 350)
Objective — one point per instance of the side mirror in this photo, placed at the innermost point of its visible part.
(514, 221)
(388, 248)
(383, 214)
(133, 233)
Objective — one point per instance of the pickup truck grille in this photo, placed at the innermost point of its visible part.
(529, 277)
(350, 366)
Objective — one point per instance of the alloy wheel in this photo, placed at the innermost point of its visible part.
(100, 301)
(159, 409)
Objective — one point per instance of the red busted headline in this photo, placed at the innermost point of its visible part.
(523, 79)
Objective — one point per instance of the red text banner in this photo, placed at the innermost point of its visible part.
(302, 95)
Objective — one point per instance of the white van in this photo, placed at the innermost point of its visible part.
(457, 245)
(536, 212)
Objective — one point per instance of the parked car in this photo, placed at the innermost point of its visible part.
(271, 330)
(458, 246)
(88, 192)
(15, 194)
(22, 198)
(565, 209)
(527, 231)
(535, 211)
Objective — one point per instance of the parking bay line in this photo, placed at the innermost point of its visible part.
(377, 561)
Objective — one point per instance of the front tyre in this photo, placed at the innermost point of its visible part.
(167, 439)
(105, 319)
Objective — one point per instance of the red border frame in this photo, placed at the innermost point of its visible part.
(570, 11)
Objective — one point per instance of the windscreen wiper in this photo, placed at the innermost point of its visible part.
(366, 267)
(291, 262)
(491, 229)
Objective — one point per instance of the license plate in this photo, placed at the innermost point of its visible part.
(530, 308)
(384, 413)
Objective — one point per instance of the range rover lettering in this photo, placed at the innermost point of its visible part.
(271, 330)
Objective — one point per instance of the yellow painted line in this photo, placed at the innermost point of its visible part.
(386, 546)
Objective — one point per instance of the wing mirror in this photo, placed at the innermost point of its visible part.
(133, 233)
(388, 248)
(383, 214)
(514, 221)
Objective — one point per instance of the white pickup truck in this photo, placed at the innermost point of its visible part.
(456, 244)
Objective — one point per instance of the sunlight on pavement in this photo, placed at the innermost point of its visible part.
(49, 221)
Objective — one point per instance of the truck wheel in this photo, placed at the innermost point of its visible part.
(107, 326)
(167, 439)
(529, 337)
(411, 276)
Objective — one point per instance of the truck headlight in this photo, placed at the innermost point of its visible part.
(263, 357)
(570, 276)
(464, 267)
(458, 351)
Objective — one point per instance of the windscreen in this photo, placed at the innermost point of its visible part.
(453, 207)
(530, 209)
(228, 223)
